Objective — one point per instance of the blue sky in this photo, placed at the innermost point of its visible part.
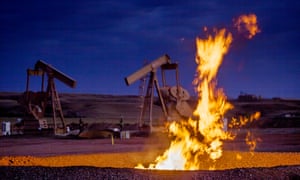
(98, 43)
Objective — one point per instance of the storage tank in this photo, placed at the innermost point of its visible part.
(6, 128)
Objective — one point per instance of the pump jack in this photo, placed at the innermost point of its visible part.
(165, 93)
(36, 103)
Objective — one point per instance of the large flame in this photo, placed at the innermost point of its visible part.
(197, 142)
(200, 137)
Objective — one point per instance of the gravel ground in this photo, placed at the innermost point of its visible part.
(49, 158)
(83, 172)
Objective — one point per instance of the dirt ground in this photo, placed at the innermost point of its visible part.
(276, 154)
(271, 140)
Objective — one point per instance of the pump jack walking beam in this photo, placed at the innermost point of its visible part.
(55, 73)
(165, 59)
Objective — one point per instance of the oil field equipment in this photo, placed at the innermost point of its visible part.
(35, 103)
(172, 99)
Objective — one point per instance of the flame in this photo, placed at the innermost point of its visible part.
(243, 120)
(247, 24)
(197, 142)
(200, 138)
(251, 141)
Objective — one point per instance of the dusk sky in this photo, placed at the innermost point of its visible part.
(98, 43)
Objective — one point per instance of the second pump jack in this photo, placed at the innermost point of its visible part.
(169, 97)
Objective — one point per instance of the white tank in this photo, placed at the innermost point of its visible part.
(6, 128)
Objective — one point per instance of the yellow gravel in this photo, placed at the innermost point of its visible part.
(229, 160)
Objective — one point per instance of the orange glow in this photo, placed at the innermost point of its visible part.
(201, 137)
(198, 141)
(130, 159)
(247, 24)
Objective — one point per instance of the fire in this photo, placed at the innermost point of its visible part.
(201, 136)
(251, 141)
(247, 24)
(238, 122)
(197, 142)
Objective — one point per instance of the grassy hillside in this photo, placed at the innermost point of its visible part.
(108, 108)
